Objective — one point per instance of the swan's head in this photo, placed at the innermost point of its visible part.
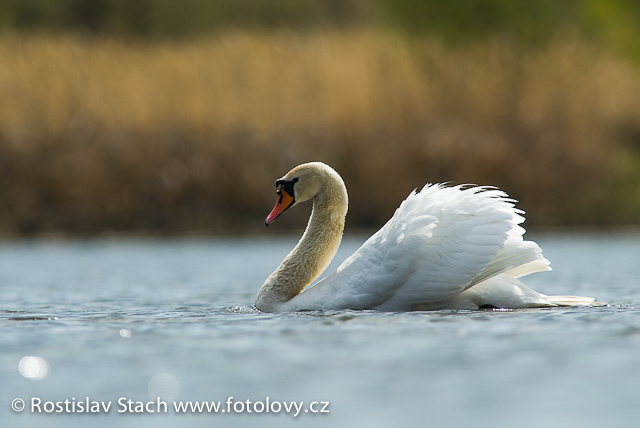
(301, 184)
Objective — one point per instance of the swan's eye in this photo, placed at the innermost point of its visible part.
(286, 187)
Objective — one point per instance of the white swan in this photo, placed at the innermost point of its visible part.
(444, 248)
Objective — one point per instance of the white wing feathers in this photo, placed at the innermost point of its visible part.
(517, 258)
(440, 242)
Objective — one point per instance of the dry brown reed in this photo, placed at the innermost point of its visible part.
(111, 135)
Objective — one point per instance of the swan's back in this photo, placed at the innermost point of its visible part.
(440, 242)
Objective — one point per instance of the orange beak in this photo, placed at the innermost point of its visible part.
(285, 200)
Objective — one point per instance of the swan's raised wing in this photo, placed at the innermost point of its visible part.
(438, 243)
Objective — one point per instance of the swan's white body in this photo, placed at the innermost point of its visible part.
(444, 248)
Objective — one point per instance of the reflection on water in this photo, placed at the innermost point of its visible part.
(172, 320)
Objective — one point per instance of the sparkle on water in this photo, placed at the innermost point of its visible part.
(34, 368)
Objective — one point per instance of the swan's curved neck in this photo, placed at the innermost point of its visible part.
(312, 254)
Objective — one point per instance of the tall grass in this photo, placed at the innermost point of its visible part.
(105, 134)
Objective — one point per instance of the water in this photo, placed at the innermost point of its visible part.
(172, 318)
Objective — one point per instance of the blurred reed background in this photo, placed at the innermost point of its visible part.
(176, 117)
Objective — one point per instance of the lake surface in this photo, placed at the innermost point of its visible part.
(106, 320)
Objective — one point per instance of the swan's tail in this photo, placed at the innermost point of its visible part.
(573, 301)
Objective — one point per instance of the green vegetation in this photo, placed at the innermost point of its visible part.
(176, 117)
(614, 22)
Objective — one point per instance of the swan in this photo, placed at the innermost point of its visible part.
(446, 247)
